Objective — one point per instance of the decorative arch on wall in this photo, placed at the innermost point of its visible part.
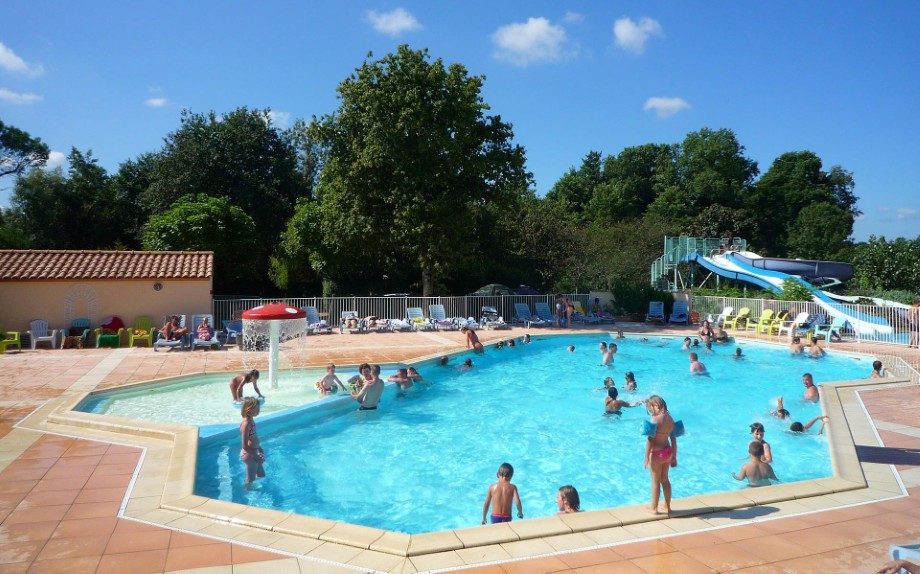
(77, 293)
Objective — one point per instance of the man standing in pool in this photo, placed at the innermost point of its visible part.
(660, 451)
(369, 396)
(811, 391)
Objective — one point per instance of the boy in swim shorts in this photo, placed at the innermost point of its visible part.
(500, 495)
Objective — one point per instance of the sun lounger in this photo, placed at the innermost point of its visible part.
(439, 318)
(523, 315)
(419, 322)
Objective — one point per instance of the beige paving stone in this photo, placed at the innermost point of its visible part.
(649, 529)
(304, 525)
(610, 535)
(352, 534)
(570, 541)
(392, 543)
(537, 527)
(434, 542)
(479, 554)
(334, 552)
(590, 520)
(531, 547)
(484, 535)
(260, 517)
(295, 544)
(308, 566)
(376, 560)
(435, 560)
(282, 566)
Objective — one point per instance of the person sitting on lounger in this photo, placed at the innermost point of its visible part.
(171, 331)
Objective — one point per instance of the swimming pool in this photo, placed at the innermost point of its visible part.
(423, 461)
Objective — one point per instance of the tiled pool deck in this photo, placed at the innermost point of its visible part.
(76, 497)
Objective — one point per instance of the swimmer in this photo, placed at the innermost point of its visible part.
(251, 452)
(696, 342)
(798, 427)
(686, 345)
(878, 371)
(721, 335)
(413, 375)
(796, 347)
(738, 353)
(567, 500)
(630, 381)
(757, 431)
(708, 346)
(608, 382)
(401, 378)
(620, 334)
(466, 366)
(811, 391)
(510, 342)
(696, 367)
(499, 345)
(602, 348)
(526, 339)
(612, 404)
(815, 349)
(571, 348)
(330, 383)
(756, 471)
(780, 412)
(443, 361)
(607, 360)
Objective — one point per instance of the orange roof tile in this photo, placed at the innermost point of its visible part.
(34, 265)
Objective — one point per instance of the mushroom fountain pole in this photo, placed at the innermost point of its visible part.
(273, 313)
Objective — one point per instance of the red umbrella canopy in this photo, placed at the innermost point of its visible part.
(274, 311)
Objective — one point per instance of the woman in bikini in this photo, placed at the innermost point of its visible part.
(660, 451)
(472, 340)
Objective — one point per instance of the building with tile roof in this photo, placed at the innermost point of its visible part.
(60, 286)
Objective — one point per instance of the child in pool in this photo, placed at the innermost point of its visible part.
(401, 378)
(500, 495)
(796, 347)
(660, 451)
(630, 381)
(330, 383)
(567, 500)
(608, 355)
(686, 344)
(757, 431)
(466, 366)
(251, 452)
(798, 427)
(738, 354)
(696, 367)
(612, 404)
(815, 349)
(756, 471)
(238, 382)
(878, 371)
(472, 340)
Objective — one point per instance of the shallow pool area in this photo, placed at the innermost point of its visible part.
(424, 460)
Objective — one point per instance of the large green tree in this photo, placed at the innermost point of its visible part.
(19, 151)
(239, 155)
(410, 159)
(203, 223)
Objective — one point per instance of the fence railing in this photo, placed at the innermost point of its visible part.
(895, 317)
(331, 308)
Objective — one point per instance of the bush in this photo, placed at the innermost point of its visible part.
(898, 295)
(793, 290)
(633, 298)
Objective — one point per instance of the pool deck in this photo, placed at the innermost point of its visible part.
(75, 497)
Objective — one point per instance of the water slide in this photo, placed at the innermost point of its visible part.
(769, 273)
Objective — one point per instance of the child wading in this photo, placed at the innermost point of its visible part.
(251, 453)
(500, 496)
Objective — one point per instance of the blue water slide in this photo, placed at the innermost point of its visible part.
(765, 273)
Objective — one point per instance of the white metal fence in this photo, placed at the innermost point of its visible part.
(331, 308)
(896, 317)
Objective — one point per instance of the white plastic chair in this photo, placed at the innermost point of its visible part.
(39, 333)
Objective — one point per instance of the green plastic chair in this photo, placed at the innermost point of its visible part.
(9, 339)
(141, 331)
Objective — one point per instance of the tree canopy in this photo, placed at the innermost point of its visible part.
(410, 160)
(19, 151)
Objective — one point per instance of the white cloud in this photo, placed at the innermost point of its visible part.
(908, 213)
(280, 119)
(55, 159)
(534, 41)
(633, 35)
(10, 61)
(156, 102)
(394, 22)
(665, 107)
(573, 17)
(18, 99)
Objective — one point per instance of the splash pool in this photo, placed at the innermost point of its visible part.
(424, 460)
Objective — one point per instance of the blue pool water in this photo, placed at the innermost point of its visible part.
(423, 461)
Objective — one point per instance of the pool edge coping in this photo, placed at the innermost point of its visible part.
(177, 507)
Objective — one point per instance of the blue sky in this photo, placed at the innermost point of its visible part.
(838, 78)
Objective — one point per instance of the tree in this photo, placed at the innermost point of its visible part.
(631, 181)
(888, 265)
(577, 187)
(821, 231)
(19, 151)
(794, 181)
(239, 156)
(410, 158)
(203, 223)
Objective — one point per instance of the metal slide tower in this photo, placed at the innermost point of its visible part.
(665, 272)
